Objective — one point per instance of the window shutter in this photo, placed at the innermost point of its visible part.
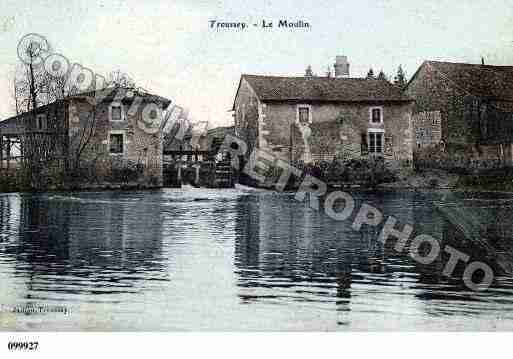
(388, 144)
(364, 145)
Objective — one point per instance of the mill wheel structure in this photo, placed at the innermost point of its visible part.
(198, 168)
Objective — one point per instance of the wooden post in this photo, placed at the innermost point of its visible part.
(8, 152)
(511, 154)
(501, 155)
(179, 179)
(197, 179)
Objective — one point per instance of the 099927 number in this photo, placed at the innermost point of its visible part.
(23, 346)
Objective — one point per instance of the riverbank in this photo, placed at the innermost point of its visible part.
(439, 179)
(434, 179)
(12, 184)
(428, 180)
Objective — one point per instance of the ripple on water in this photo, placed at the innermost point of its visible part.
(211, 259)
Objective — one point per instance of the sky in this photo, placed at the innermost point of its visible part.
(169, 48)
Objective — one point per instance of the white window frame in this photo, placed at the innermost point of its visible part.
(120, 105)
(124, 143)
(309, 107)
(380, 108)
(376, 131)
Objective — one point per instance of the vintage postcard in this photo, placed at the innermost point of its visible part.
(255, 166)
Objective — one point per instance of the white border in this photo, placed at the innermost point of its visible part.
(395, 345)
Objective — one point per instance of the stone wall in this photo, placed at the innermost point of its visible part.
(458, 143)
(140, 148)
(428, 129)
(336, 130)
(434, 92)
(247, 115)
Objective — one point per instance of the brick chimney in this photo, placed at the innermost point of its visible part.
(341, 66)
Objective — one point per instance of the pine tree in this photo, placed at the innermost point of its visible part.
(400, 78)
(370, 74)
(382, 76)
(308, 71)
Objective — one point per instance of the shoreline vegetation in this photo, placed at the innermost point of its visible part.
(15, 182)
(381, 179)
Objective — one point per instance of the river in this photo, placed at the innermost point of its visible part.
(239, 260)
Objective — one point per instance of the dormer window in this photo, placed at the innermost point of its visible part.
(116, 112)
(376, 115)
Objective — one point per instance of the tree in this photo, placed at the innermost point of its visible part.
(382, 76)
(49, 144)
(64, 141)
(400, 78)
(370, 74)
(31, 86)
(308, 71)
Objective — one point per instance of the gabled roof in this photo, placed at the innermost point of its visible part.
(324, 89)
(124, 95)
(106, 95)
(11, 123)
(494, 82)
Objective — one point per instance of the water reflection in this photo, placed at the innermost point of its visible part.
(198, 259)
(286, 251)
(69, 244)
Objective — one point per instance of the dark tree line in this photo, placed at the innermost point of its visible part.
(399, 79)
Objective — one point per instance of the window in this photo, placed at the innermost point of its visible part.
(116, 112)
(116, 143)
(375, 142)
(376, 115)
(303, 114)
(40, 121)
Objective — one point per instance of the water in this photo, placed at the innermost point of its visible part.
(241, 259)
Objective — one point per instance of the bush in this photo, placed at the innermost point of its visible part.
(16, 180)
(367, 171)
(433, 183)
(370, 172)
(125, 171)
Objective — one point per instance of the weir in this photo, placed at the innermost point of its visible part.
(198, 168)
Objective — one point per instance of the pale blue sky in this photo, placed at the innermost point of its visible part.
(168, 48)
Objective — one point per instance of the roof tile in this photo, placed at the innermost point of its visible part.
(479, 80)
(329, 89)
